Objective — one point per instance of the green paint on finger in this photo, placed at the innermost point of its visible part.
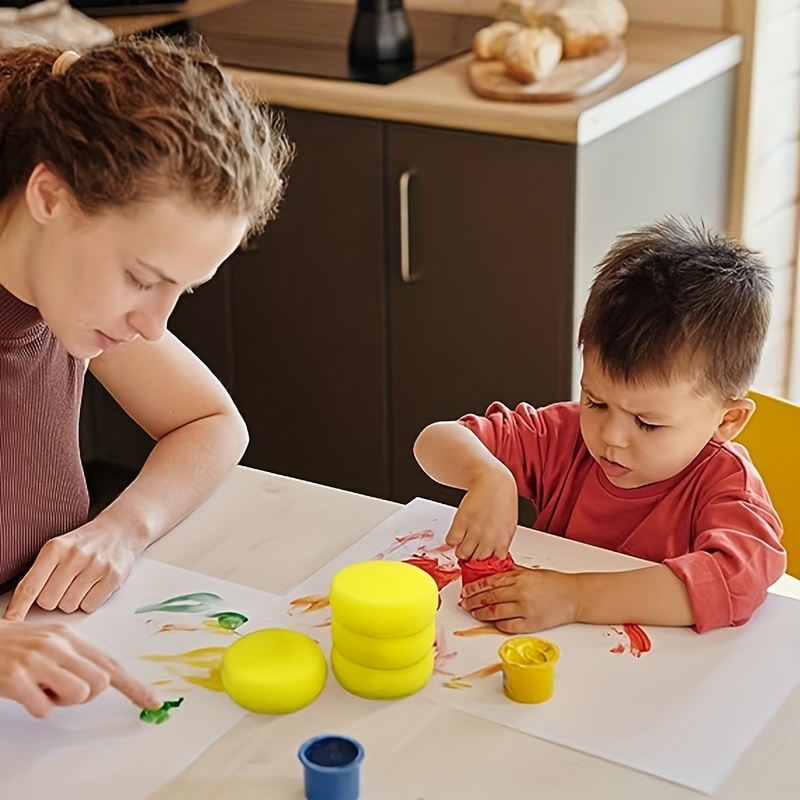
(158, 715)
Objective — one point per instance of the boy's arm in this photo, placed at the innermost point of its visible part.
(530, 600)
(452, 454)
(649, 596)
(487, 516)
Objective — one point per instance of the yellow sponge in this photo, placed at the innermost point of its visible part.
(274, 671)
(384, 599)
(368, 651)
(381, 684)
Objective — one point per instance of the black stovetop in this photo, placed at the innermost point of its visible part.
(304, 38)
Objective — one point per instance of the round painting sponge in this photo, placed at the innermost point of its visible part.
(369, 651)
(381, 684)
(385, 599)
(274, 671)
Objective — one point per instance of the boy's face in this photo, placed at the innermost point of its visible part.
(644, 434)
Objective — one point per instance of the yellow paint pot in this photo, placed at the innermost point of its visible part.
(369, 651)
(274, 671)
(529, 666)
(384, 599)
(381, 684)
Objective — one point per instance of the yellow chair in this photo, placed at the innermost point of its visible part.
(772, 437)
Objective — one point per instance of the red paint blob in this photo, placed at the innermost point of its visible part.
(472, 570)
(443, 574)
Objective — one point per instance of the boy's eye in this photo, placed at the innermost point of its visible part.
(137, 283)
(646, 426)
(591, 404)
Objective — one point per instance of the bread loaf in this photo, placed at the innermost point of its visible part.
(584, 26)
(490, 42)
(531, 54)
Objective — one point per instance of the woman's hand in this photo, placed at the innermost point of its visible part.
(44, 666)
(486, 519)
(523, 600)
(78, 570)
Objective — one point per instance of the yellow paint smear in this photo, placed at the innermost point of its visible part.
(481, 630)
(460, 682)
(207, 660)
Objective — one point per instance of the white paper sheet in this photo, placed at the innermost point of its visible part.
(684, 711)
(103, 750)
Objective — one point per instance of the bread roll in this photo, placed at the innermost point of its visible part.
(490, 42)
(585, 26)
(531, 53)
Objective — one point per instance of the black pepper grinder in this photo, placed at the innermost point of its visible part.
(381, 33)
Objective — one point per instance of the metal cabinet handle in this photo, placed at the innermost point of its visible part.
(405, 229)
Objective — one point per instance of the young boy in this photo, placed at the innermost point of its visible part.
(671, 338)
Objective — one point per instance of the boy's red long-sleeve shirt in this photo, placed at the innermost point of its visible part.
(712, 524)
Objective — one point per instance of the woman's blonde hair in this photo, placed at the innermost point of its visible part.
(135, 119)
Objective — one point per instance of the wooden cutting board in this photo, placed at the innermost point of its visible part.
(573, 77)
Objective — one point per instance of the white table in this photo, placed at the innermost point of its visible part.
(271, 532)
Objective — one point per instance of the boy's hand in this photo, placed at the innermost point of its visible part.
(523, 600)
(485, 522)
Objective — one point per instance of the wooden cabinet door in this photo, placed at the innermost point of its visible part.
(309, 302)
(480, 235)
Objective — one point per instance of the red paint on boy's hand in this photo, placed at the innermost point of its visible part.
(472, 570)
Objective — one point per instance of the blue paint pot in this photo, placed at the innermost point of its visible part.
(332, 767)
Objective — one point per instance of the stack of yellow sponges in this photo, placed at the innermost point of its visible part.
(383, 628)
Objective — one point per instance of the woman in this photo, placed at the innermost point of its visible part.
(127, 176)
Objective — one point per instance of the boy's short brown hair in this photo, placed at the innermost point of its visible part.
(673, 300)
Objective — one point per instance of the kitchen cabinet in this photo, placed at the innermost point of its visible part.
(416, 274)
(403, 282)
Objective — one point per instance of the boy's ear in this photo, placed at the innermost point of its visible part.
(735, 416)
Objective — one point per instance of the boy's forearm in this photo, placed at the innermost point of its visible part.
(649, 596)
(451, 454)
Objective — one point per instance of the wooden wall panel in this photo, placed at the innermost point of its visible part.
(775, 184)
(776, 236)
(776, 115)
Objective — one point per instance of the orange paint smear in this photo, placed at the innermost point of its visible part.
(171, 626)
(443, 574)
(312, 602)
(461, 682)
(481, 630)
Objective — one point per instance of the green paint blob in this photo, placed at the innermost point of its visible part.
(230, 620)
(184, 603)
(159, 715)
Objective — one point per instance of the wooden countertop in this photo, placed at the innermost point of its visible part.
(663, 63)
